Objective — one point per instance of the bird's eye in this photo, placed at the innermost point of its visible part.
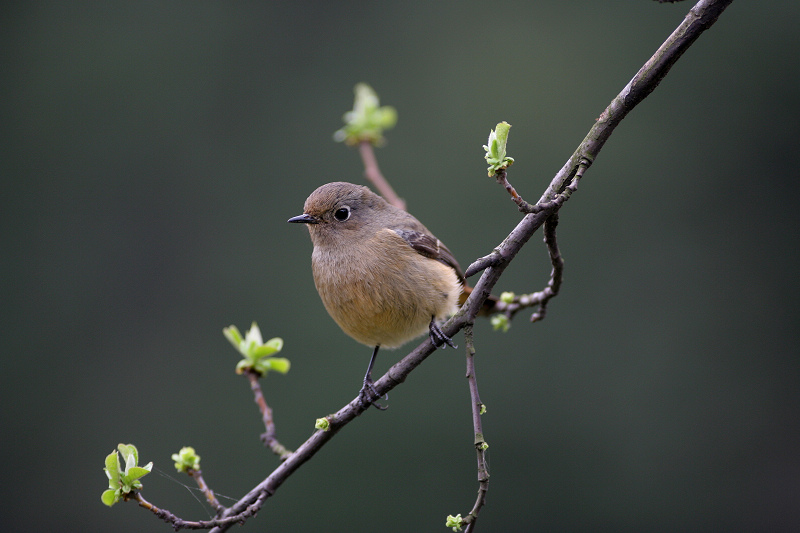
(342, 214)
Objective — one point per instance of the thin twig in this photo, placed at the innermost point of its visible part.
(543, 206)
(373, 174)
(178, 523)
(542, 297)
(480, 443)
(557, 274)
(210, 496)
(563, 195)
(268, 437)
(501, 177)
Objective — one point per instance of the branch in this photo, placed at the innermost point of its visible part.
(502, 178)
(268, 437)
(210, 496)
(179, 523)
(542, 297)
(700, 18)
(551, 206)
(373, 174)
(396, 375)
(480, 444)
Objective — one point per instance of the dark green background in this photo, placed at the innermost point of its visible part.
(152, 152)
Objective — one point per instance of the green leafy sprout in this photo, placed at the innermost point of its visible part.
(122, 482)
(186, 459)
(454, 522)
(367, 120)
(322, 423)
(257, 353)
(496, 149)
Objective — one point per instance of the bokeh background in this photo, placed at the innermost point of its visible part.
(152, 152)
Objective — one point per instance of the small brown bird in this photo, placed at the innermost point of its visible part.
(382, 276)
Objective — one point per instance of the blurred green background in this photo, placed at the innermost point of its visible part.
(152, 152)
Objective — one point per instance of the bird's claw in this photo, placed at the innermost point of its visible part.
(438, 338)
(369, 396)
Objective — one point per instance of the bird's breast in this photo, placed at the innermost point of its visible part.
(382, 292)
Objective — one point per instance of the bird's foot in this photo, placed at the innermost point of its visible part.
(438, 338)
(369, 396)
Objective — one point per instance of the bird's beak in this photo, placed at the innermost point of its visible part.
(305, 218)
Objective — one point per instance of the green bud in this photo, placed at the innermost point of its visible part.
(454, 522)
(507, 297)
(500, 322)
(185, 459)
(496, 149)
(323, 424)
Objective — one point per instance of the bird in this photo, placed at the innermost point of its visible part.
(383, 277)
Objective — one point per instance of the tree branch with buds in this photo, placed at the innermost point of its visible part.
(364, 126)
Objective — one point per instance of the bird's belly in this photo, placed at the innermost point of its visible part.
(388, 306)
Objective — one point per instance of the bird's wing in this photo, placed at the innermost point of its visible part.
(429, 246)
